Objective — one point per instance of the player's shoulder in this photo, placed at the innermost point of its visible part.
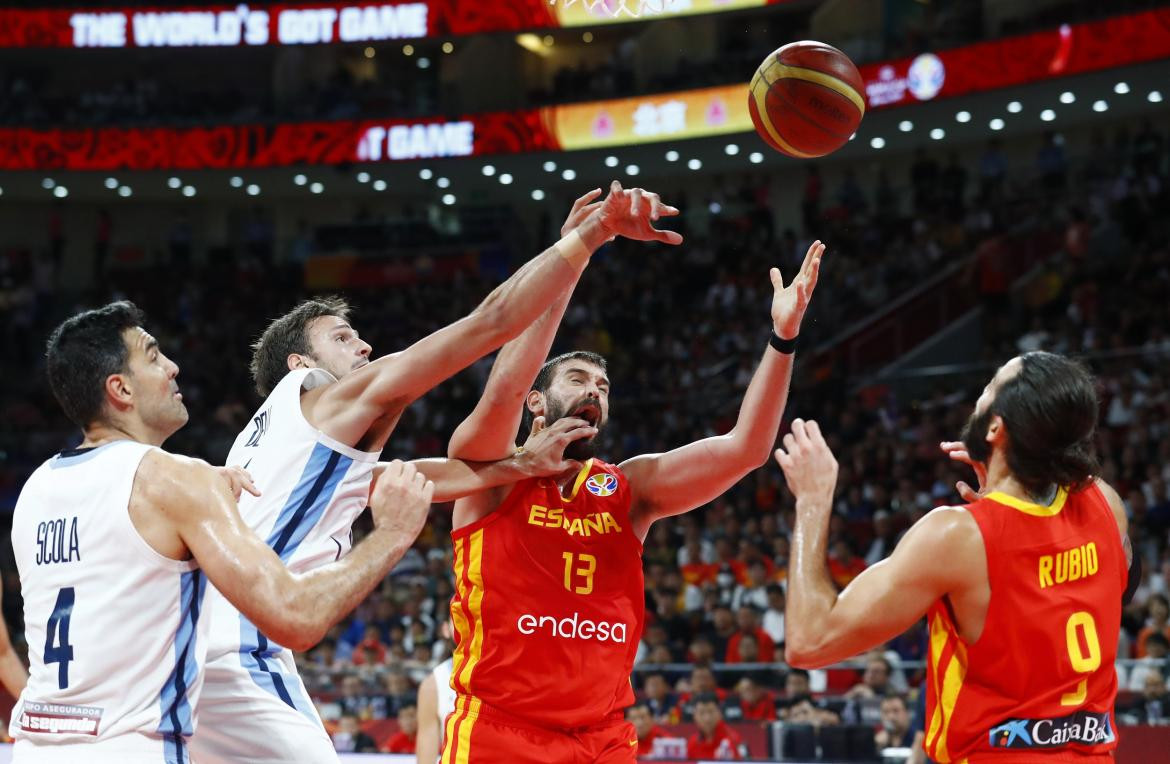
(163, 474)
(1113, 499)
(947, 526)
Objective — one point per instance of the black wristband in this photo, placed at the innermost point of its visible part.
(787, 347)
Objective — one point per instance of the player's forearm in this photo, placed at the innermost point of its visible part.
(754, 434)
(13, 674)
(489, 432)
(324, 596)
(811, 594)
(456, 478)
(426, 745)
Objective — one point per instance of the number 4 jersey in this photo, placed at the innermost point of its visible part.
(113, 628)
(1039, 684)
(549, 604)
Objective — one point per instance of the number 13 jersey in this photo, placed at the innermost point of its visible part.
(549, 603)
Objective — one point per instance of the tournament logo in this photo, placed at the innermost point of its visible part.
(602, 484)
(926, 76)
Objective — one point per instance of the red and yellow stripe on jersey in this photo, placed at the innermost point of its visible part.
(1039, 683)
(548, 608)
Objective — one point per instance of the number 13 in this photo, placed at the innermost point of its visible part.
(586, 571)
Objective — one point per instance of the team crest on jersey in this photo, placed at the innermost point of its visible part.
(602, 484)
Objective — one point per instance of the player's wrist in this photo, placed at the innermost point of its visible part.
(783, 343)
(594, 232)
(572, 248)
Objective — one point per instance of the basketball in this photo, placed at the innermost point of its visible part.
(806, 99)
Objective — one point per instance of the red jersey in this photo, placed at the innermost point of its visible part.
(550, 601)
(723, 744)
(646, 744)
(401, 743)
(1039, 683)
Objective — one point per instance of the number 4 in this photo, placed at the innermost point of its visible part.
(1081, 663)
(59, 626)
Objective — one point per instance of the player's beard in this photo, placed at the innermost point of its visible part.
(582, 448)
(974, 436)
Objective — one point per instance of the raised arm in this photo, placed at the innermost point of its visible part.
(687, 477)
(295, 610)
(13, 674)
(346, 410)
(489, 432)
(942, 554)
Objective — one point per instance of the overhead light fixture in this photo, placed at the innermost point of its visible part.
(125, 191)
(424, 63)
(550, 165)
(425, 173)
(877, 142)
(188, 191)
(694, 164)
(731, 149)
(443, 182)
(1100, 105)
(905, 125)
(489, 170)
(111, 183)
(533, 44)
(963, 116)
(1155, 96)
(1047, 115)
(1067, 97)
(568, 173)
(672, 156)
(448, 47)
(537, 194)
(938, 133)
(506, 178)
(60, 192)
(369, 52)
(632, 169)
(363, 177)
(379, 185)
(755, 157)
(997, 124)
(48, 184)
(317, 188)
(587, 37)
(408, 50)
(1015, 107)
(611, 161)
(1121, 88)
(548, 41)
(174, 183)
(237, 181)
(448, 199)
(298, 179)
(254, 190)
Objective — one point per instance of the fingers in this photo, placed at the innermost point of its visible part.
(777, 280)
(636, 203)
(249, 486)
(814, 273)
(615, 188)
(784, 459)
(537, 425)
(585, 199)
(813, 252)
(966, 492)
(667, 237)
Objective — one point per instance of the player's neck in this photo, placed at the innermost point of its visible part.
(1001, 480)
(100, 434)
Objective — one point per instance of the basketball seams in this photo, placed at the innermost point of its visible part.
(824, 79)
(796, 109)
(772, 105)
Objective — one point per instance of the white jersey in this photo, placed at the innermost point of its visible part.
(116, 642)
(445, 704)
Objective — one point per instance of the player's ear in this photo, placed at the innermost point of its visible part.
(535, 402)
(297, 361)
(118, 391)
(996, 429)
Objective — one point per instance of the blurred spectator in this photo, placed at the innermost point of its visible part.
(748, 621)
(370, 651)
(896, 730)
(844, 565)
(751, 702)
(398, 694)
(404, 740)
(349, 737)
(353, 699)
(644, 726)
(1157, 622)
(713, 739)
(661, 702)
(884, 538)
(1155, 661)
(702, 684)
(864, 698)
(1153, 706)
(773, 623)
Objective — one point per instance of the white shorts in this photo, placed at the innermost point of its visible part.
(122, 749)
(257, 710)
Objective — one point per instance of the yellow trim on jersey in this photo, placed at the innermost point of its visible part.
(582, 476)
(1030, 508)
(470, 591)
(777, 71)
(952, 683)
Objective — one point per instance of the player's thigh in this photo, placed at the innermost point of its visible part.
(616, 744)
(473, 739)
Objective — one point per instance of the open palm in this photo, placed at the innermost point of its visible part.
(790, 302)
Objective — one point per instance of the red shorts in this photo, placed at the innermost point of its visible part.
(477, 734)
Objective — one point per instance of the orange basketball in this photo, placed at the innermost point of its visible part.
(806, 99)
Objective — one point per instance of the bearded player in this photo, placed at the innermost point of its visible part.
(1023, 585)
(312, 448)
(549, 598)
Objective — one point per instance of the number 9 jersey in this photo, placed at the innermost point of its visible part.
(1039, 684)
(115, 640)
(549, 605)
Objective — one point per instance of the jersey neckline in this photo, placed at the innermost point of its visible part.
(578, 482)
(1031, 508)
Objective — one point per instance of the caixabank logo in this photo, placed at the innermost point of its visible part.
(1083, 727)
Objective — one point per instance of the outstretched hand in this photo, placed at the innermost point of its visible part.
(809, 466)
(544, 451)
(957, 451)
(582, 208)
(632, 214)
(790, 302)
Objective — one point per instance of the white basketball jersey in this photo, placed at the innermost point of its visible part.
(446, 700)
(312, 489)
(116, 642)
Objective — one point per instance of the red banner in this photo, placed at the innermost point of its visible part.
(711, 111)
(308, 23)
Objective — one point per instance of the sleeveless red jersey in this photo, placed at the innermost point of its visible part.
(550, 601)
(1039, 684)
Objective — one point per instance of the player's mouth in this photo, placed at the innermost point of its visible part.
(590, 412)
(360, 364)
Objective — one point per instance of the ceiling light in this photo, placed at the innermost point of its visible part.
(550, 165)
(489, 170)
(715, 208)
(568, 173)
(755, 157)
(996, 124)
(188, 191)
(424, 63)
(298, 179)
(48, 183)
(1155, 96)
(694, 164)
(548, 41)
(448, 47)
(731, 149)
(1015, 107)
(672, 156)
(448, 199)
(532, 44)
(237, 181)
(379, 185)
(174, 183)
(1067, 97)
(443, 182)
(537, 194)
(111, 183)
(938, 133)
(506, 178)
(369, 52)
(254, 190)
(1100, 105)
(905, 125)
(1048, 115)
(1121, 88)
(425, 173)
(852, 136)
(60, 192)
(963, 116)
(124, 191)
(632, 169)
(587, 37)
(363, 177)
(877, 142)
(408, 50)
(611, 161)
(317, 188)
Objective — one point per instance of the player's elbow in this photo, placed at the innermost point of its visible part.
(299, 634)
(802, 650)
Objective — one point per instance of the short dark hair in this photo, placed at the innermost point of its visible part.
(706, 697)
(287, 335)
(544, 377)
(1159, 638)
(798, 672)
(83, 352)
(898, 697)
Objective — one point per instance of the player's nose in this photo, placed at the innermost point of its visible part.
(364, 349)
